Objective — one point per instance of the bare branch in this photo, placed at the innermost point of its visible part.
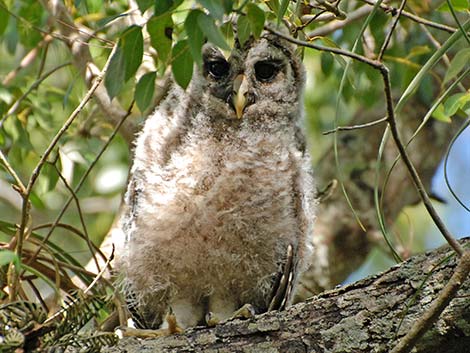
(392, 123)
(366, 316)
(431, 315)
(411, 169)
(76, 40)
(356, 127)
(27, 60)
(334, 25)
(35, 85)
(392, 10)
(392, 29)
(81, 181)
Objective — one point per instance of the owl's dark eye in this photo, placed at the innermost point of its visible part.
(218, 68)
(266, 70)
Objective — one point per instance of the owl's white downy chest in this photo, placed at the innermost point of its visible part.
(229, 192)
(216, 204)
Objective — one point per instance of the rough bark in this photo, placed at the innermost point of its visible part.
(368, 316)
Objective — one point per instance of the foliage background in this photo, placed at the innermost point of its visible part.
(42, 84)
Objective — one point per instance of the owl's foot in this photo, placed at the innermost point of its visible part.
(172, 329)
(247, 311)
(285, 283)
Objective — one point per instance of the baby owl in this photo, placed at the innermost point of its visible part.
(220, 204)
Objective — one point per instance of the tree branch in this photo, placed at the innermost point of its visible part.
(368, 316)
(77, 42)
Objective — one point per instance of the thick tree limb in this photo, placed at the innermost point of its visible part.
(368, 316)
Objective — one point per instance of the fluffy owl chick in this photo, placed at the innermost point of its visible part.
(220, 189)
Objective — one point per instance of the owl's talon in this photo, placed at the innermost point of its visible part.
(247, 311)
(283, 291)
(211, 319)
(173, 328)
(172, 324)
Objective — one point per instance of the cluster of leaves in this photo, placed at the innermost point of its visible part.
(179, 45)
(24, 325)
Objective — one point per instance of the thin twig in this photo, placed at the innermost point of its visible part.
(80, 215)
(431, 315)
(101, 273)
(417, 19)
(82, 180)
(83, 61)
(334, 25)
(25, 211)
(27, 60)
(73, 230)
(374, 63)
(356, 127)
(35, 85)
(392, 29)
(11, 171)
(445, 57)
(393, 126)
(411, 169)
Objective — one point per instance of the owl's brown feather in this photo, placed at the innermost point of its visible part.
(214, 201)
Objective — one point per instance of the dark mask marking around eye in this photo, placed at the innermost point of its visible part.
(217, 68)
(266, 70)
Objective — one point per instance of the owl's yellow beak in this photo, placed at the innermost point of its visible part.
(240, 89)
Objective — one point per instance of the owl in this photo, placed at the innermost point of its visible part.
(220, 204)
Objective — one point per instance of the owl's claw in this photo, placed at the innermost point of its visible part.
(173, 328)
(247, 311)
(284, 287)
(211, 319)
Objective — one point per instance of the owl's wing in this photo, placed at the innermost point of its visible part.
(283, 286)
(295, 258)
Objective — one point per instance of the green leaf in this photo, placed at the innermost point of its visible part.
(460, 60)
(440, 115)
(282, 10)
(418, 51)
(327, 61)
(436, 57)
(132, 43)
(20, 136)
(273, 5)
(36, 201)
(144, 90)
(32, 15)
(114, 79)
(4, 16)
(7, 257)
(125, 61)
(256, 17)
(50, 177)
(195, 35)
(456, 102)
(164, 6)
(144, 4)
(228, 5)
(210, 30)
(243, 29)
(160, 30)
(215, 8)
(458, 5)
(182, 66)
(8, 228)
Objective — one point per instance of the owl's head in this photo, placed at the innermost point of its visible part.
(260, 81)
